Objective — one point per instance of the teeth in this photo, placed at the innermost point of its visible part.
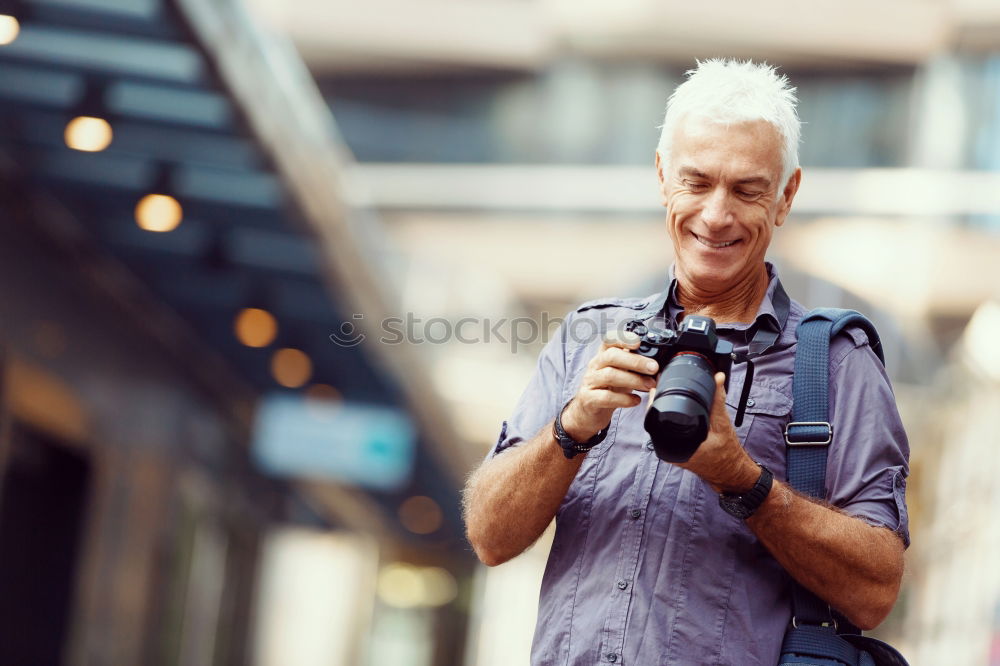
(713, 245)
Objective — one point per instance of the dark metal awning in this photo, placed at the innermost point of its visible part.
(226, 120)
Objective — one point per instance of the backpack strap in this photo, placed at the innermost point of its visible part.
(809, 433)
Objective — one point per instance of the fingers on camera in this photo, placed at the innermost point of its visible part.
(617, 379)
(617, 357)
(608, 398)
(620, 338)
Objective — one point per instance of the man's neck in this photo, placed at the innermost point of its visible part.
(738, 303)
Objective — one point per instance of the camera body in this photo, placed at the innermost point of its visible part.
(678, 417)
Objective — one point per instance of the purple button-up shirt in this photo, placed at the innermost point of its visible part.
(646, 568)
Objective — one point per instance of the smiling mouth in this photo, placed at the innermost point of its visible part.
(716, 246)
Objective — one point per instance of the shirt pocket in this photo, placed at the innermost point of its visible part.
(763, 429)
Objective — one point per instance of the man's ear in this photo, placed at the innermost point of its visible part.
(787, 196)
(660, 177)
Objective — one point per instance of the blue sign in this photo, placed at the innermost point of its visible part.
(360, 444)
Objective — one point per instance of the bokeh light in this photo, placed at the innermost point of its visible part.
(255, 327)
(980, 339)
(88, 134)
(400, 585)
(440, 587)
(10, 28)
(403, 585)
(420, 515)
(158, 212)
(322, 401)
(324, 393)
(291, 367)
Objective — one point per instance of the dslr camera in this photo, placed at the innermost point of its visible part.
(677, 420)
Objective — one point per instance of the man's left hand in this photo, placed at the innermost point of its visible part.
(721, 460)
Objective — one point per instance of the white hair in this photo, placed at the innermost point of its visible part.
(730, 91)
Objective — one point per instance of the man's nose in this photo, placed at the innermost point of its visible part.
(717, 209)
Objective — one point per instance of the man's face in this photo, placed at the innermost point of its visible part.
(721, 190)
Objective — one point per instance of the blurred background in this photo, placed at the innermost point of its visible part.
(273, 273)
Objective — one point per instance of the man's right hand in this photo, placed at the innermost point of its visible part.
(612, 376)
(512, 497)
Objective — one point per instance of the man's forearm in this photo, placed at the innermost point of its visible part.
(511, 498)
(853, 566)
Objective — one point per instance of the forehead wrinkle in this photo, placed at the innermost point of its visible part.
(750, 148)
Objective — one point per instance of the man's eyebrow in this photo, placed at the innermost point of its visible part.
(691, 171)
(755, 180)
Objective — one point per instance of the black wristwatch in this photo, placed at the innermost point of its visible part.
(571, 448)
(744, 505)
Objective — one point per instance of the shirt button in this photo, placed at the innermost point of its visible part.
(751, 402)
(622, 584)
(612, 657)
(635, 513)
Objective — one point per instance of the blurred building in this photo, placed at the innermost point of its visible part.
(202, 460)
(954, 591)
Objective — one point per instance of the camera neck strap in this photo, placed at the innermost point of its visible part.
(766, 333)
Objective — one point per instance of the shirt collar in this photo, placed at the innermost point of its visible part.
(667, 306)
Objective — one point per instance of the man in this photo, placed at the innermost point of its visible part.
(646, 567)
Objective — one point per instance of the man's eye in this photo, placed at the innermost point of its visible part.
(747, 194)
(697, 187)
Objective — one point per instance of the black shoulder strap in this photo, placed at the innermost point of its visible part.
(809, 433)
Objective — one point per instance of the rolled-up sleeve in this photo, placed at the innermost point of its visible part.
(869, 456)
(542, 398)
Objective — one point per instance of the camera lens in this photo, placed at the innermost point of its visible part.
(677, 420)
